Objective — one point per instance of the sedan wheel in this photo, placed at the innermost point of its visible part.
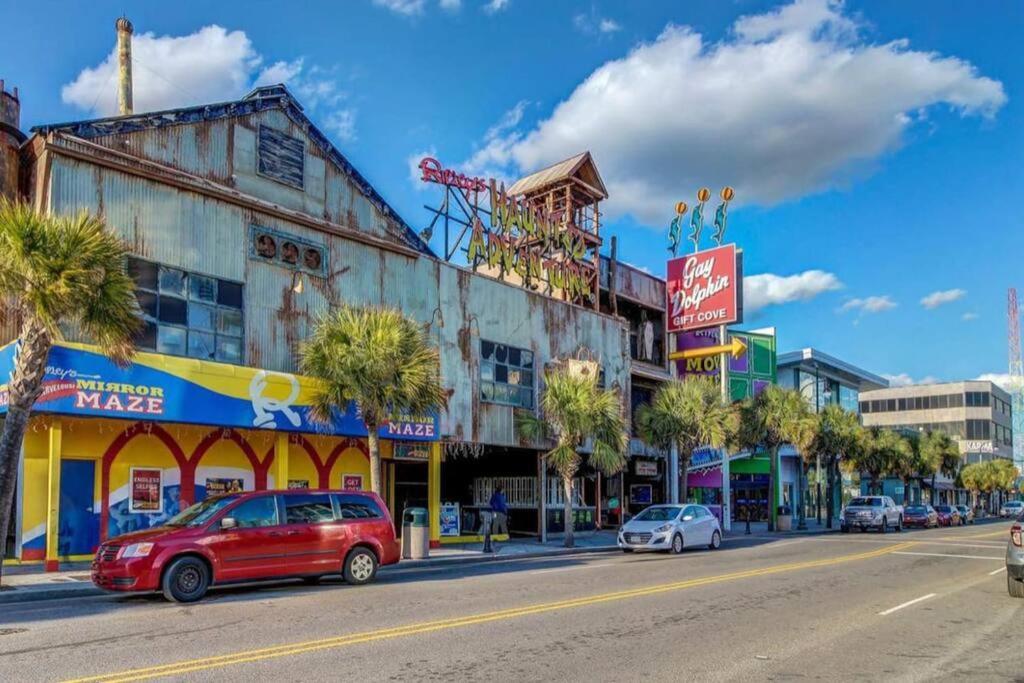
(716, 541)
(677, 544)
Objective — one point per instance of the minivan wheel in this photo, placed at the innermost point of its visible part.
(186, 580)
(1014, 587)
(360, 566)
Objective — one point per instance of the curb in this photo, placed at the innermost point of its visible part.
(86, 589)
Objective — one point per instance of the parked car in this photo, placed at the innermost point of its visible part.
(1011, 508)
(872, 512)
(672, 528)
(1015, 561)
(254, 536)
(923, 516)
(949, 515)
(966, 514)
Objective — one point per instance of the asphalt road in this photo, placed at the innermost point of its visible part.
(921, 605)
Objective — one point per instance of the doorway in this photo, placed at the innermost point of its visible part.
(407, 488)
(79, 526)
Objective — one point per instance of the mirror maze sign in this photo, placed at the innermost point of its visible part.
(524, 241)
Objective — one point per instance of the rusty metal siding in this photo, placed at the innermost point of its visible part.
(634, 284)
(160, 223)
(476, 307)
(201, 148)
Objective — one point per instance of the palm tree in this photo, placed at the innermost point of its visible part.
(56, 270)
(378, 359)
(689, 415)
(803, 437)
(575, 410)
(971, 479)
(920, 461)
(941, 448)
(882, 452)
(774, 417)
(838, 435)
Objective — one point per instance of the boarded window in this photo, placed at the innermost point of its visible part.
(281, 157)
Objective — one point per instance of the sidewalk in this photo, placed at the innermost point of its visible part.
(29, 582)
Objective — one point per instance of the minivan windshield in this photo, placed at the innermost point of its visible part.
(201, 513)
(658, 514)
(868, 502)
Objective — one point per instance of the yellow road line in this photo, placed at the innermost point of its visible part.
(1001, 532)
(187, 666)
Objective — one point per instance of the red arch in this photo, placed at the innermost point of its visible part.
(122, 440)
(325, 477)
(259, 469)
(309, 448)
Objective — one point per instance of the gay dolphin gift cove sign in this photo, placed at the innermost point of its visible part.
(81, 381)
(704, 289)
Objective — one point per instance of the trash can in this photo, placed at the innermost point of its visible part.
(415, 534)
(784, 518)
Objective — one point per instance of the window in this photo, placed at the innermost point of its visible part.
(956, 400)
(256, 512)
(308, 508)
(358, 507)
(188, 314)
(506, 375)
(977, 399)
(281, 157)
(979, 430)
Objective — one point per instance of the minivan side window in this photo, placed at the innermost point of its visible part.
(308, 508)
(255, 512)
(352, 506)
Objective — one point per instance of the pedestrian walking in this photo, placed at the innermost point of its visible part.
(499, 506)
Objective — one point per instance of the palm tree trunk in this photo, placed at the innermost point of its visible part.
(567, 508)
(373, 445)
(933, 488)
(25, 385)
(906, 489)
(684, 464)
(773, 478)
(829, 493)
(802, 513)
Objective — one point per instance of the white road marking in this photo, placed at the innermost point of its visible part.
(1001, 569)
(906, 604)
(993, 545)
(963, 557)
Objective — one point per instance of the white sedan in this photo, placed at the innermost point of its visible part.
(671, 527)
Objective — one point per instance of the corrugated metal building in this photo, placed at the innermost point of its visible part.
(246, 223)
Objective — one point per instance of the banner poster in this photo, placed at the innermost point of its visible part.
(216, 486)
(298, 483)
(146, 484)
(449, 519)
(352, 482)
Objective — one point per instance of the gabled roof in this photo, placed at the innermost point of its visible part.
(260, 99)
(580, 166)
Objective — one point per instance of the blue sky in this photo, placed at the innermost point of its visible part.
(874, 147)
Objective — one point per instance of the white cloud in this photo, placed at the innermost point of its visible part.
(495, 6)
(209, 65)
(871, 304)
(791, 102)
(609, 26)
(946, 296)
(768, 289)
(591, 23)
(969, 316)
(1001, 379)
(406, 8)
(905, 380)
(451, 5)
(343, 123)
(415, 174)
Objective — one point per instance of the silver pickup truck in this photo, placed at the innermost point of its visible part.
(872, 512)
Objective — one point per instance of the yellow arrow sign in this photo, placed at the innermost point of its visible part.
(736, 347)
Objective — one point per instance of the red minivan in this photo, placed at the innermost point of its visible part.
(253, 536)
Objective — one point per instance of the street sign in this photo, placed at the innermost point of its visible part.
(735, 347)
